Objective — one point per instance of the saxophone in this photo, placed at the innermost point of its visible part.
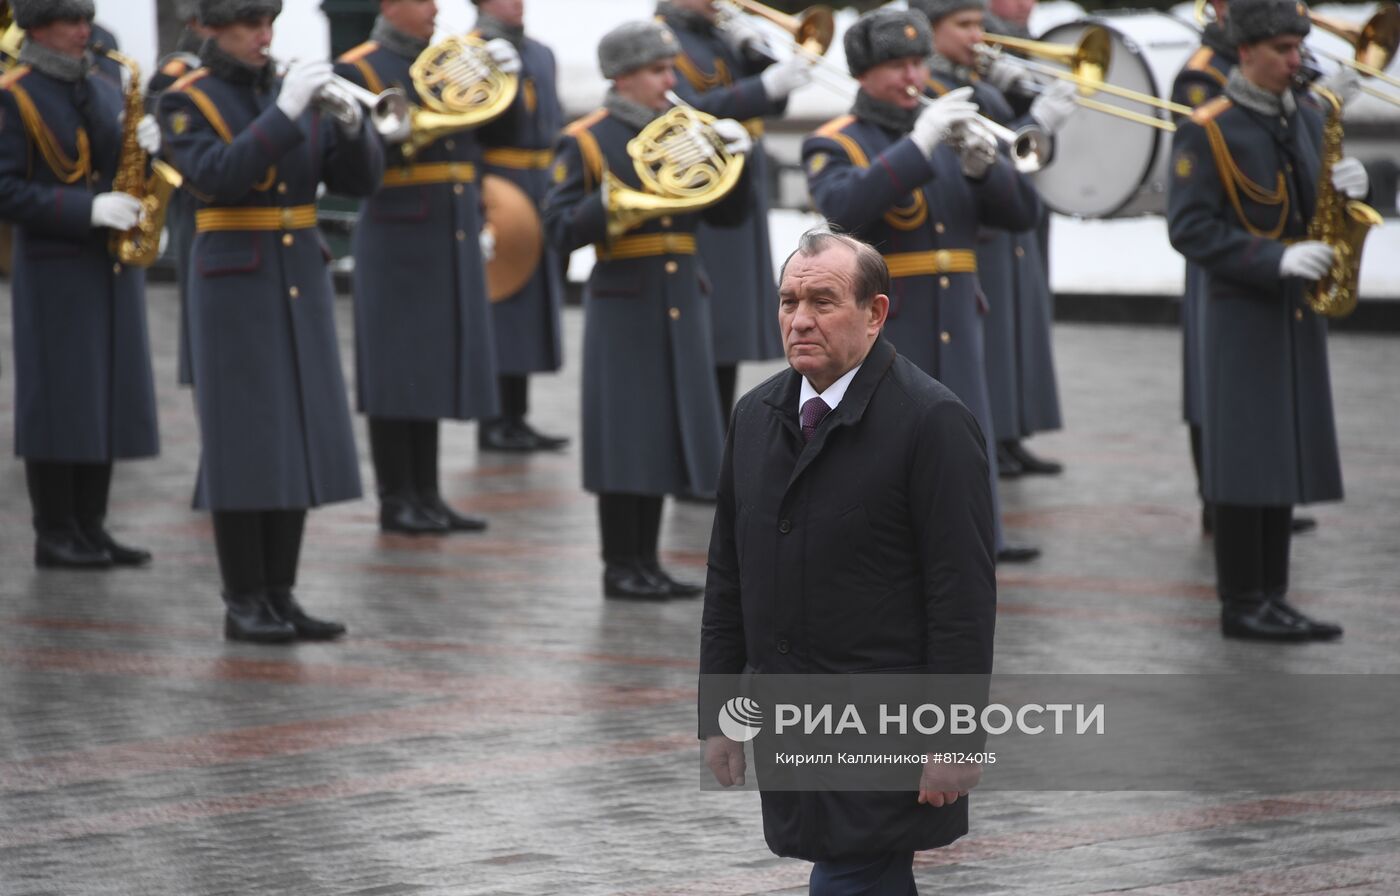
(140, 245)
(1337, 221)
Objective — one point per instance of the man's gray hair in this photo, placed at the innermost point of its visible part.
(872, 275)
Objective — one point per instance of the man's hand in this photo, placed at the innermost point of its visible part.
(939, 116)
(1310, 260)
(1055, 106)
(148, 135)
(1349, 176)
(503, 53)
(119, 211)
(943, 782)
(736, 137)
(725, 760)
(782, 78)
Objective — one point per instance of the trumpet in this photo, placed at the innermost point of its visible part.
(1028, 148)
(342, 100)
(810, 31)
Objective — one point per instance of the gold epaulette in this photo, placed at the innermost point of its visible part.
(1200, 60)
(355, 54)
(189, 79)
(585, 122)
(13, 75)
(1208, 112)
(935, 86)
(834, 127)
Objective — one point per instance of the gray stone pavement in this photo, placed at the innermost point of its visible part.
(494, 727)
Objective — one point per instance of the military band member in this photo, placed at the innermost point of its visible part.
(1245, 179)
(651, 421)
(179, 217)
(726, 72)
(886, 174)
(518, 148)
(84, 395)
(426, 353)
(274, 422)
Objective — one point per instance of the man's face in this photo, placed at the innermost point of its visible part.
(889, 82)
(67, 36)
(706, 8)
(413, 17)
(647, 86)
(247, 40)
(509, 12)
(1017, 12)
(825, 332)
(956, 34)
(1271, 64)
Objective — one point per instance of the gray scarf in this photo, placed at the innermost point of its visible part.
(56, 65)
(886, 115)
(941, 64)
(1257, 99)
(629, 113)
(492, 28)
(395, 41)
(227, 68)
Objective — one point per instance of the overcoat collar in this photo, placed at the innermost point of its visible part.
(782, 398)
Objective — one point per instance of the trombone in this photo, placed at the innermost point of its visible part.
(1087, 63)
(810, 34)
(1374, 43)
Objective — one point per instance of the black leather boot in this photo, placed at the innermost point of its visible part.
(1253, 618)
(1008, 467)
(404, 516)
(68, 550)
(121, 554)
(1029, 463)
(501, 434)
(1316, 629)
(435, 507)
(1017, 553)
(307, 627)
(674, 587)
(250, 617)
(537, 440)
(631, 582)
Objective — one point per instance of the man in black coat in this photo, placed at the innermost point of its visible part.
(853, 533)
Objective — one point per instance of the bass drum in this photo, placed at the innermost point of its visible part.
(1107, 167)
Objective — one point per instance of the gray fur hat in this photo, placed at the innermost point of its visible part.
(1251, 21)
(632, 45)
(218, 13)
(937, 9)
(36, 13)
(886, 34)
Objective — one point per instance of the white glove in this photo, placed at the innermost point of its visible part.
(1002, 74)
(148, 135)
(303, 81)
(119, 211)
(504, 54)
(1349, 176)
(1309, 259)
(487, 241)
(735, 136)
(399, 134)
(977, 153)
(1054, 107)
(351, 127)
(933, 123)
(741, 35)
(1344, 82)
(782, 78)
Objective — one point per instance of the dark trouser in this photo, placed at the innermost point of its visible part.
(727, 376)
(631, 527)
(514, 390)
(258, 549)
(1251, 551)
(888, 875)
(68, 498)
(405, 456)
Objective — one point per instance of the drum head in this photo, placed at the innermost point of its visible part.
(1106, 166)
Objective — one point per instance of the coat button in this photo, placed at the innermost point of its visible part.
(1020, 251)
(294, 292)
(117, 268)
(944, 282)
(784, 526)
(1297, 313)
(282, 188)
(288, 239)
(461, 235)
(458, 189)
(938, 227)
(782, 645)
(449, 143)
(665, 220)
(672, 267)
(675, 314)
(946, 337)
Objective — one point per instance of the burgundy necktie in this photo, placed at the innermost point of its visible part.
(813, 412)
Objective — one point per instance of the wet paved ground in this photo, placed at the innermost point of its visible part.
(494, 726)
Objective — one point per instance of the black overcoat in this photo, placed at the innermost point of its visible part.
(868, 549)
